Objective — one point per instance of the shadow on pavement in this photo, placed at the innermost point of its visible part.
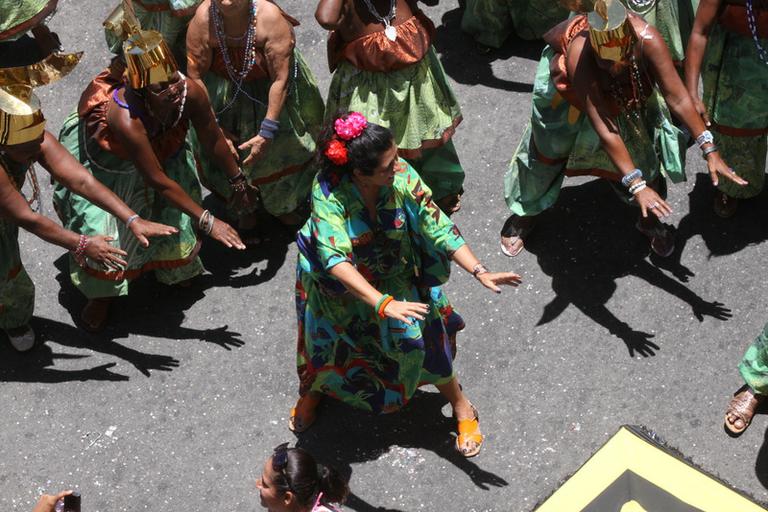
(585, 243)
(721, 236)
(761, 464)
(343, 436)
(465, 65)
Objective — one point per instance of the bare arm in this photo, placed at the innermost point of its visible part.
(330, 13)
(208, 131)
(199, 51)
(66, 170)
(357, 285)
(694, 54)
(13, 206)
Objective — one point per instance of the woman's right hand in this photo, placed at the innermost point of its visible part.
(701, 109)
(650, 201)
(47, 503)
(226, 234)
(406, 311)
(100, 250)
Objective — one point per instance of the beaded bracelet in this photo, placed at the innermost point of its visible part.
(131, 219)
(629, 178)
(237, 177)
(382, 303)
(637, 187)
(479, 270)
(79, 251)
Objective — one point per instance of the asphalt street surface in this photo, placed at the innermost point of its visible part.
(180, 401)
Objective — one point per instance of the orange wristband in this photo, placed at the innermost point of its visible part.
(383, 306)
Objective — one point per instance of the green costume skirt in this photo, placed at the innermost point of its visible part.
(17, 292)
(490, 22)
(417, 103)
(285, 173)
(736, 96)
(560, 140)
(19, 17)
(173, 258)
(754, 365)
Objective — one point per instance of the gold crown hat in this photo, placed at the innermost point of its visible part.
(148, 58)
(21, 119)
(609, 31)
(51, 69)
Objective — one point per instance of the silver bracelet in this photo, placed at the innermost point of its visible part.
(629, 178)
(131, 219)
(479, 270)
(705, 138)
(707, 151)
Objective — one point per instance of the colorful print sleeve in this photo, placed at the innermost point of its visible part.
(434, 225)
(330, 233)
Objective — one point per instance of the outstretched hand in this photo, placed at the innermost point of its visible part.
(717, 165)
(650, 201)
(257, 147)
(144, 229)
(492, 280)
(47, 502)
(406, 311)
(100, 250)
(226, 234)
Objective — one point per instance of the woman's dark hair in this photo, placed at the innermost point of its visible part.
(303, 476)
(363, 152)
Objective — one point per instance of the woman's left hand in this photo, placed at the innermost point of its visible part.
(492, 280)
(717, 165)
(145, 229)
(258, 148)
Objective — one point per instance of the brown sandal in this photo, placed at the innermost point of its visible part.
(95, 313)
(469, 431)
(300, 421)
(742, 407)
(662, 238)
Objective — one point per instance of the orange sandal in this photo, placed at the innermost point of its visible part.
(297, 422)
(469, 432)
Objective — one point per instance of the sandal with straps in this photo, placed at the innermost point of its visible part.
(662, 238)
(469, 431)
(299, 422)
(742, 407)
(513, 233)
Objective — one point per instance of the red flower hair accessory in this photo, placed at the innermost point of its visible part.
(350, 127)
(337, 152)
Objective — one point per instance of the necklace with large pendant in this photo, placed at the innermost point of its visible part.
(389, 30)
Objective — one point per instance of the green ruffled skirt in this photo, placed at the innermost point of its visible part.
(173, 258)
(286, 172)
(736, 96)
(418, 104)
(490, 22)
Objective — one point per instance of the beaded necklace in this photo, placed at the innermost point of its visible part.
(751, 20)
(237, 77)
(389, 30)
(30, 171)
(634, 104)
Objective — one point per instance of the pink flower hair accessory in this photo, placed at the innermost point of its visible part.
(350, 127)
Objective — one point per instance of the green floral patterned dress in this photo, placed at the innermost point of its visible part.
(344, 349)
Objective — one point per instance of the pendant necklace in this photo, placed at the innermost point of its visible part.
(389, 30)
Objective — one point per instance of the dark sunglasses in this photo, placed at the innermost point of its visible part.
(280, 463)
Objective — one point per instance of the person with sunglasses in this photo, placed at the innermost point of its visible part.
(292, 481)
(374, 323)
(130, 130)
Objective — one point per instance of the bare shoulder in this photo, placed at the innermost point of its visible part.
(201, 19)
(270, 20)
